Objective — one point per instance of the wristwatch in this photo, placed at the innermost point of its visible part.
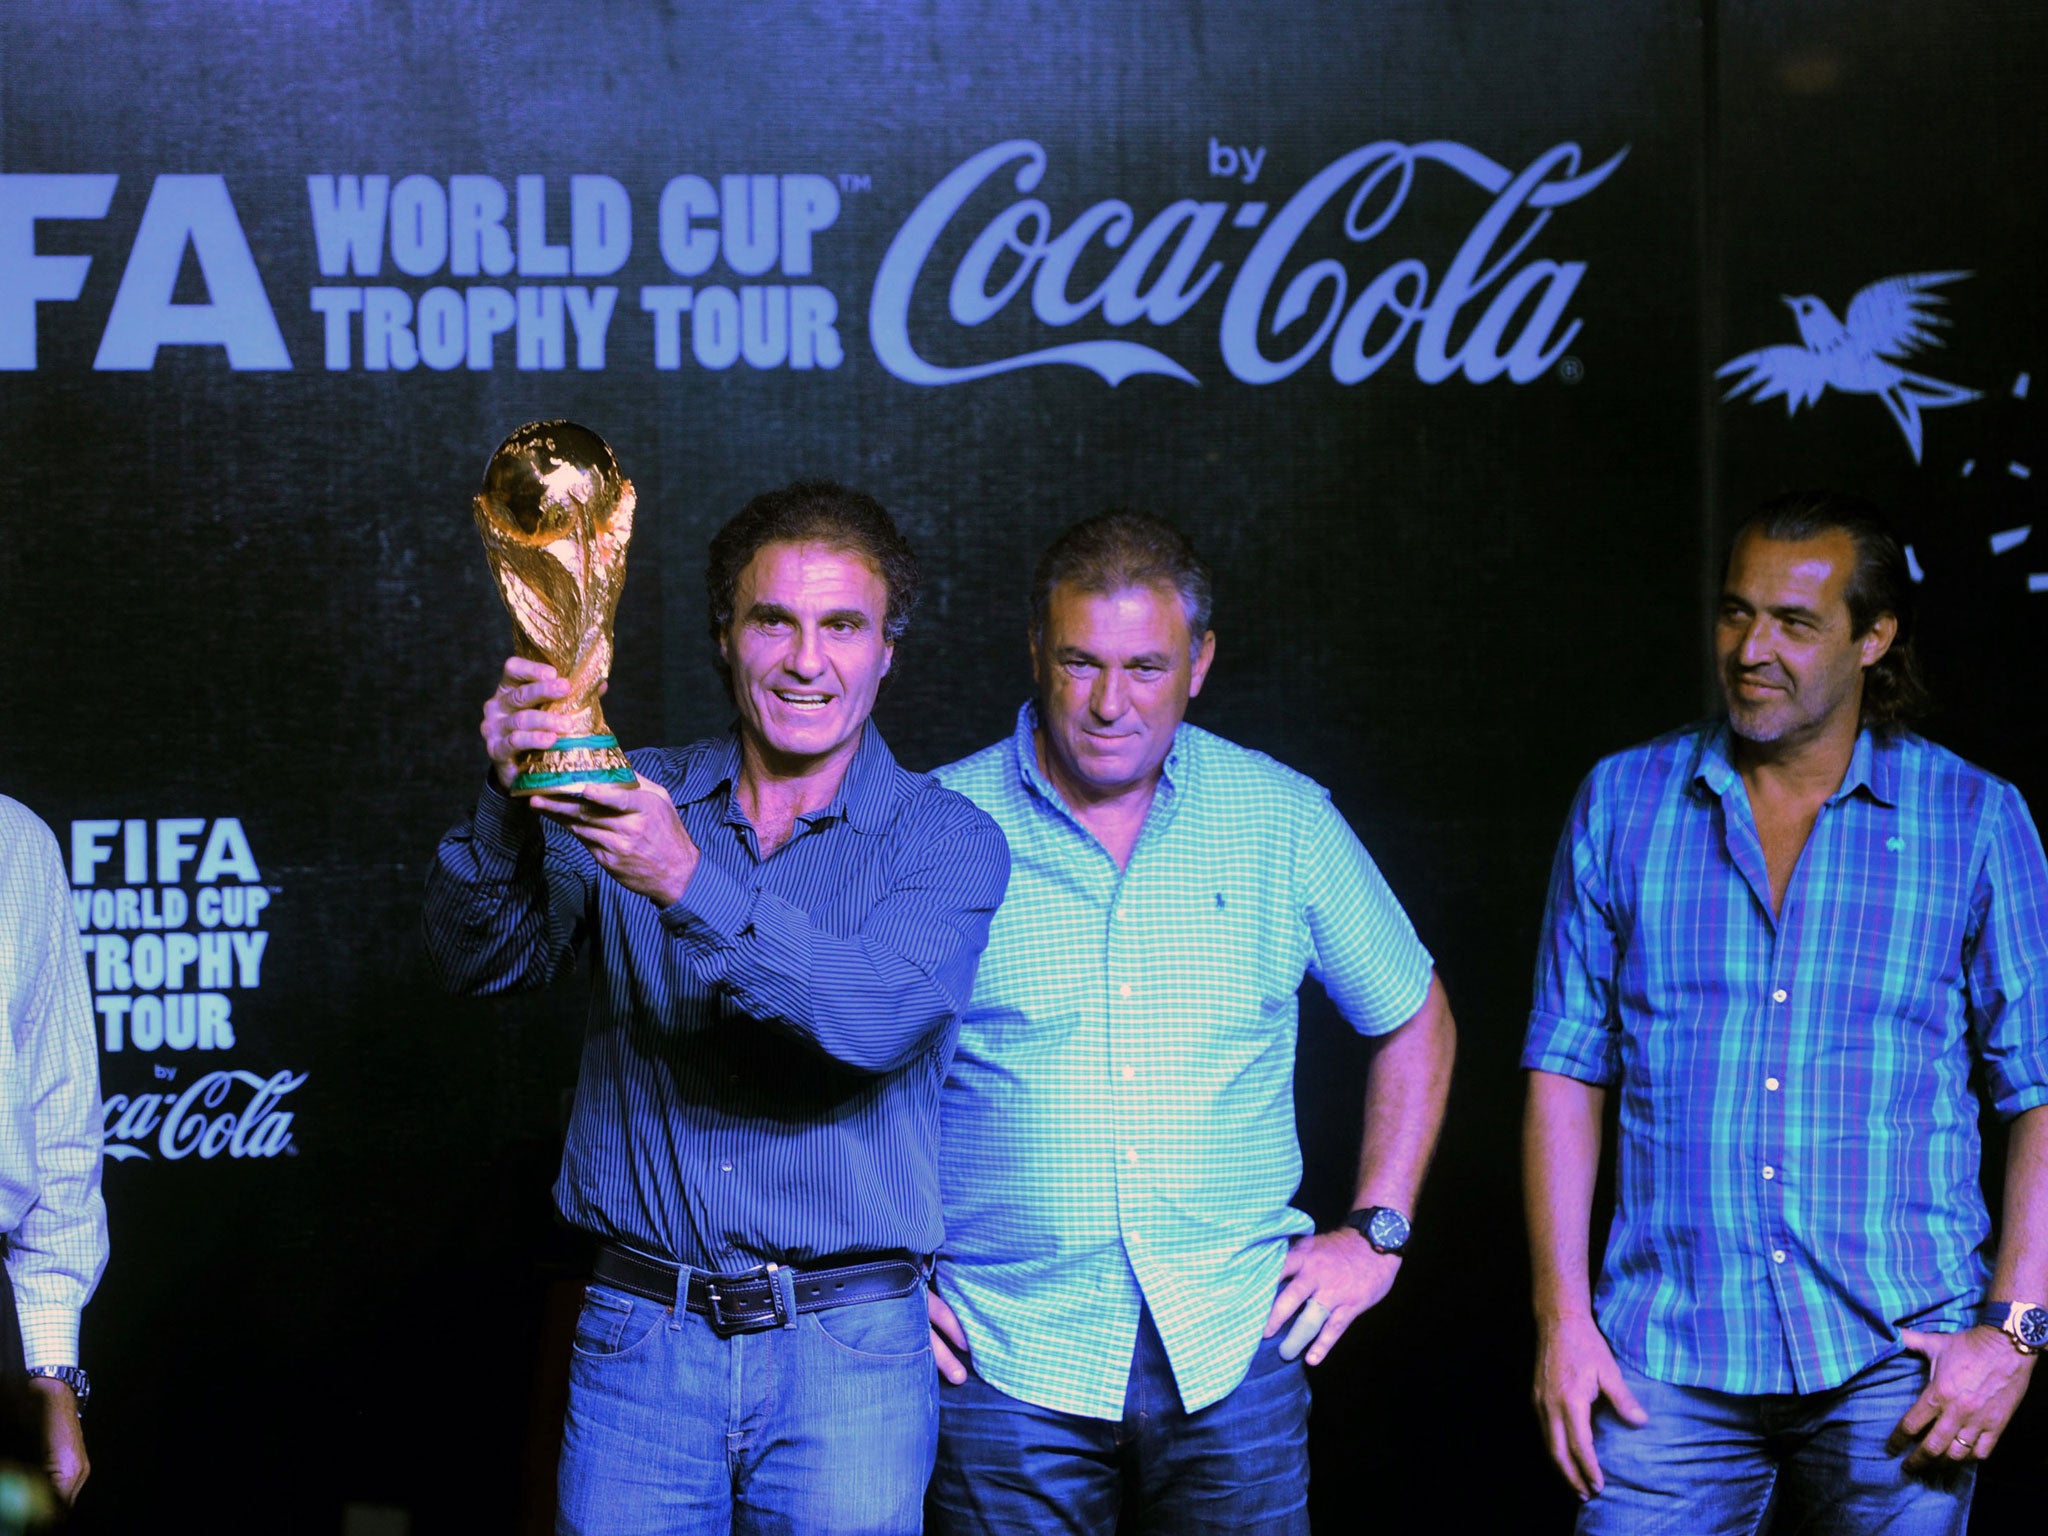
(1382, 1226)
(2024, 1322)
(73, 1376)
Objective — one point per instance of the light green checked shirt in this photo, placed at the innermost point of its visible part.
(1118, 1129)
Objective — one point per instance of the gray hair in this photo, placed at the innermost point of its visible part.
(1119, 549)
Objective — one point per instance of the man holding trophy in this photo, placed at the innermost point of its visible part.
(784, 927)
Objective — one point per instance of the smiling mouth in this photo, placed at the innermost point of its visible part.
(1756, 685)
(803, 701)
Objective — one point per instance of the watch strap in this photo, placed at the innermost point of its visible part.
(1385, 1228)
(73, 1376)
(2023, 1322)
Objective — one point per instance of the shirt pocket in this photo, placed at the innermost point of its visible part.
(1228, 957)
(1887, 947)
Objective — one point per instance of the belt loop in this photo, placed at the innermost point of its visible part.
(783, 1278)
(681, 1301)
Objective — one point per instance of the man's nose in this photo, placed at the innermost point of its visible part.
(806, 655)
(1755, 648)
(1110, 696)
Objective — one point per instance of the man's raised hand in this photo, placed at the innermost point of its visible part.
(634, 833)
(517, 718)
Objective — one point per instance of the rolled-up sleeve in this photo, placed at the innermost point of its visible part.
(1574, 1028)
(2008, 961)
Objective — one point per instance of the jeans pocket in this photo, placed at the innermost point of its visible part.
(886, 1332)
(612, 1324)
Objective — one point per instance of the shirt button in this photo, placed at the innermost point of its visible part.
(1129, 1073)
(1124, 990)
(1771, 1083)
(1770, 1172)
(727, 1167)
(1130, 1154)
(1134, 1239)
(1777, 1255)
(1778, 996)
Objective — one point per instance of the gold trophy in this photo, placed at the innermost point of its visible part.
(555, 515)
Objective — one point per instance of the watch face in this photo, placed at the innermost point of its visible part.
(2033, 1327)
(1387, 1230)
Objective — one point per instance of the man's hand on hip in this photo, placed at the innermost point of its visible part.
(1975, 1379)
(65, 1437)
(949, 1339)
(635, 835)
(1338, 1271)
(1574, 1370)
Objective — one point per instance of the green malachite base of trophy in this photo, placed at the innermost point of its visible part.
(573, 760)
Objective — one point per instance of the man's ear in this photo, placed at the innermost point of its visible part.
(1205, 653)
(1877, 639)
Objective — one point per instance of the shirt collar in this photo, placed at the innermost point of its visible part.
(1174, 773)
(1873, 766)
(862, 799)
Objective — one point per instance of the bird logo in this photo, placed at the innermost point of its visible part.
(1890, 319)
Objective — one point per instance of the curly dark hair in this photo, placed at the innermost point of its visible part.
(1894, 694)
(810, 512)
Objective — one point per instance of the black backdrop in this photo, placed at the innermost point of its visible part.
(240, 580)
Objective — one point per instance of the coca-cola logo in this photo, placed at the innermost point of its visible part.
(205, 1120)
(1324, 309)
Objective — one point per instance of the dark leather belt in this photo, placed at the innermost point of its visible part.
(767, 1297)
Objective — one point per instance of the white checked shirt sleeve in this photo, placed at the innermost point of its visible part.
(50, 1205)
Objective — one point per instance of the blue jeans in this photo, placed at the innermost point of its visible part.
(1239, 1466)
(1709, 1463)
(826, 1427)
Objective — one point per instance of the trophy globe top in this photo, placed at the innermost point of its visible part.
(547, 478)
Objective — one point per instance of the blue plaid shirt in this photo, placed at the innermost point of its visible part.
(1118, 1125)
(1798, 1168)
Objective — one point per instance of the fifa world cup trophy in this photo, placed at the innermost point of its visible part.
(555, 514)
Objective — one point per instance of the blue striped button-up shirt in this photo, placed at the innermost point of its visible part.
(1118, 1125)
(762, 1063)
(1798, 1168)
